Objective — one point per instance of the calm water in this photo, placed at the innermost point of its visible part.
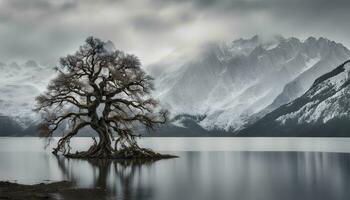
(208, 169)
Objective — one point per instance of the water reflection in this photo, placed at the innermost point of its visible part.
(219, 175)
(120, 179)
(200, 175)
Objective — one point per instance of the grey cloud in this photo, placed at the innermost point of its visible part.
(47, 29)
(156, 22)
(39, 4)
(29, 10)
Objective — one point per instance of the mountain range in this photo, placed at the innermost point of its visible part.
(248, 87)
(230, 86)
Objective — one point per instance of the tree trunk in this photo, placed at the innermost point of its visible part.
(102, 148)
(104, 145)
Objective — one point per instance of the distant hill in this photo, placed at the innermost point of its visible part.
(9, 127)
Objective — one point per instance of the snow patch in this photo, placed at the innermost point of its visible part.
(333, 107)
(311, 62)
(178, 123)
(303, 111)
(271, 46)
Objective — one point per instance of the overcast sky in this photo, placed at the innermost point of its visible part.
(47, 29)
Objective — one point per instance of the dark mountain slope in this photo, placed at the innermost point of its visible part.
(324, 110)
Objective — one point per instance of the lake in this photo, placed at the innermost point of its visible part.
(207, 169)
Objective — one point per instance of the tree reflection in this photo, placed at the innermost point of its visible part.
(126, 179)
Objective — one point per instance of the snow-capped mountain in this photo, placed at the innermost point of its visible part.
(19, 85)
(229, 85)
(324, 110)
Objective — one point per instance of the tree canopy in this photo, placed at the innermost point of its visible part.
(104, 89)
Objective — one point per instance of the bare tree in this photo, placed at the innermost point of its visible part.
(105, 90)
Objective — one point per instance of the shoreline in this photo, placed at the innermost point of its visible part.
(51, 191)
